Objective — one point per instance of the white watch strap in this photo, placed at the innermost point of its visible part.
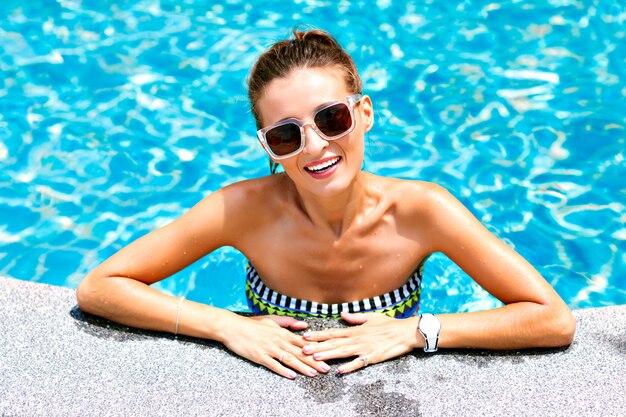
(431, 344)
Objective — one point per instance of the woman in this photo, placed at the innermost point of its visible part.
(323, 234)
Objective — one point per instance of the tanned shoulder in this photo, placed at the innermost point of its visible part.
(416, 198)
(248, 202)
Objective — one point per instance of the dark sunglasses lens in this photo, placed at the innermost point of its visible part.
(334, 120)
(283, 140)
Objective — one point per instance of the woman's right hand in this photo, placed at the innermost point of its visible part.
(267, 341)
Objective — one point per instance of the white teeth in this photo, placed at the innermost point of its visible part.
(323, 165)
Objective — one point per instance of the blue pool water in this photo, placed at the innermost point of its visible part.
(116, 117)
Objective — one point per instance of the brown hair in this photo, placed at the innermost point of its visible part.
(308, 49)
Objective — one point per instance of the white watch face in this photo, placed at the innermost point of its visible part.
(429, 325)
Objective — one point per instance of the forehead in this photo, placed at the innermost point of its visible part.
(298, 94)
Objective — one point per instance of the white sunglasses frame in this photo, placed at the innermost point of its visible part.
(350, 101)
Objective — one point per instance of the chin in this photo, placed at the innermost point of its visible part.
(336, 186)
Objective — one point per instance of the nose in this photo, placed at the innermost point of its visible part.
(313, 142)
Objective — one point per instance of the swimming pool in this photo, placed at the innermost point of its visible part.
(116, 118)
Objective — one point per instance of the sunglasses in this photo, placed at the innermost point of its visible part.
(330, 121)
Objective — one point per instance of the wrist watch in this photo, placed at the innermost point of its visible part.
(429, 326)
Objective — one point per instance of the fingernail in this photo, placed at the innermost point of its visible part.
(302, 322)
(317, 356)
(307, 335)
(325, 367)
(292, 375)
(340, 370)
(313, 372)
(307, 349)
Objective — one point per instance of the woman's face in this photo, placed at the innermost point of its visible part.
(298, 95)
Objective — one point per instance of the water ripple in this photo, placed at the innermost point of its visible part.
(116, 118)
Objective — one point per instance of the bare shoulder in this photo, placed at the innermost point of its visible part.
(417, 198)
(436, 213)
(226, 216)
(428, 211)
(245, 202)
(247, 192)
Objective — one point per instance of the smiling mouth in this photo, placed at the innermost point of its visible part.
(324, 166)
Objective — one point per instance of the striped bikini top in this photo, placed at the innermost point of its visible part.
(400, 303)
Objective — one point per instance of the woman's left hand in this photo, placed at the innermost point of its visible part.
(376, 338)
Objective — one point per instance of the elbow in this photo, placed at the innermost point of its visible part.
(568, 329)
(86, 294)
(563, 328)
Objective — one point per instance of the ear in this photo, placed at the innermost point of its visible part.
(367, 110)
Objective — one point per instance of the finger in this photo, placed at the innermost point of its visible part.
(298, 325)
(297, 340)
(273, 365)
(311, 348)
(292, 361)
(357, 318)
(337, 353)
(288, 322)
(326, 334)
(320, 366)
(358, 363)
(296, 351)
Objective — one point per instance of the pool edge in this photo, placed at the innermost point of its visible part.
(56, 360)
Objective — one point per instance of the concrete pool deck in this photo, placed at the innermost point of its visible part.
(56, 360)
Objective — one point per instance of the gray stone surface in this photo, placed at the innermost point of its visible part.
(56, 360)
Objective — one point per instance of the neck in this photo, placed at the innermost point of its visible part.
(335, 212)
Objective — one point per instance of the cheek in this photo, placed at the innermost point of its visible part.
(286, 163)
(357, 147)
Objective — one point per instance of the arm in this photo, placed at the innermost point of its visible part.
(119, 290)
(534, 314)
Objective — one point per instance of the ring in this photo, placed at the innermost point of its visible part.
(364, 360)
(282, 356)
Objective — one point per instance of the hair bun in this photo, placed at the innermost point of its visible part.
(315, 35)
